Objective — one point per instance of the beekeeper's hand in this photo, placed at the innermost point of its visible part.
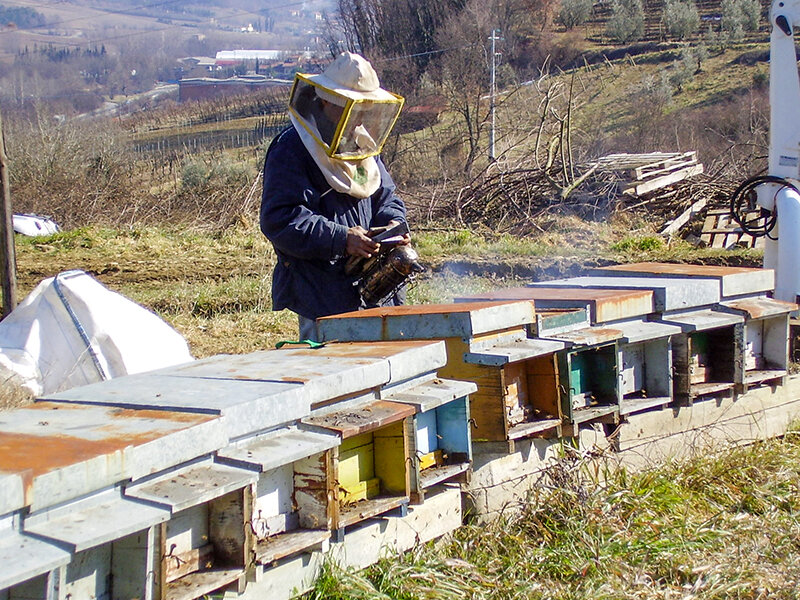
(359, 243)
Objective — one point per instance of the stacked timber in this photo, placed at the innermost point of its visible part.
(641, 174)
(720, 230)
(241, 475)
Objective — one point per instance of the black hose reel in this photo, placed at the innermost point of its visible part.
(744, 201)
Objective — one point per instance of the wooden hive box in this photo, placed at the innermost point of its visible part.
(706, 354)
(410, 378)
(439, 436)
(645, 362)
(487, 344)
(109, 538)
(645, 377)
(588, 375)
(206, 544)
(762, 340)
(293, 508)
(75, 459)
(371, 465)
(30, 565)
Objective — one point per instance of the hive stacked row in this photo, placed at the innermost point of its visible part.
(554, 355)
(176, 483)
(217, 473)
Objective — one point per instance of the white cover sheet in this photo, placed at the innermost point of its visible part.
(71, 331)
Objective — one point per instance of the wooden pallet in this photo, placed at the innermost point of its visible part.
(721, 231)
(640, 174)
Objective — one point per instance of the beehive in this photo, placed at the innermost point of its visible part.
(705, 355)
(292, 507)
(371, 465)
(762, 341)
(487, 344)
(205, 544)
(439, 433)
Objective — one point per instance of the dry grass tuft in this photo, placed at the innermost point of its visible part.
(723, 525)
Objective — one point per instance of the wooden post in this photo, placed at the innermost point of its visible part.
(8, 258)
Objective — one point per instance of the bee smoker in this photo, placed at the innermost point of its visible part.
(387, 274)
(381, 276)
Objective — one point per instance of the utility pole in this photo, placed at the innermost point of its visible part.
(495, 38)
(8, 257)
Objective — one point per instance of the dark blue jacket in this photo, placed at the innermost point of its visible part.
(307, 222)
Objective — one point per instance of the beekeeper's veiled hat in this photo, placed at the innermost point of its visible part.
(344, 108)
(352, 75)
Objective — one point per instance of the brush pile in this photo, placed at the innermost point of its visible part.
(526, 200)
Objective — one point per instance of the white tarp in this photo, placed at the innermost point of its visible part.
(71, 331)
(34, 225)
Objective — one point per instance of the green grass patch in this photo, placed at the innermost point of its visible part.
(640, 244)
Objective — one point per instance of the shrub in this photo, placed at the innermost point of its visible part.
(574, 12)
(73, 171)
(740, 16)
(213, 174)
(626, 23)
(640, 244)
(681, 18)
(760, 80)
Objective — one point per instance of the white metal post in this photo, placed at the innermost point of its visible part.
(494, 39)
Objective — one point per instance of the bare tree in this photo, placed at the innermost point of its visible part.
(464, 77)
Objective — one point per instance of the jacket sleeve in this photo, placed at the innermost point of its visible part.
(386, 205)
(290, 217)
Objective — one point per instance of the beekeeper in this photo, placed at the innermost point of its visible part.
(325, 187)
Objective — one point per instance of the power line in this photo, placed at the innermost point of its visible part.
(429, 52)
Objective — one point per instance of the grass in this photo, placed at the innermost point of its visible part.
(214, 287)
(721, 526)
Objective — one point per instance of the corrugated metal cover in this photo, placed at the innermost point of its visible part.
(425, 322)
(759, 308)
(247, 406)
(407, 359)
(668, 293)
(192, 485)
(700, 320)
(96, 520)
(642, 331)
(511, 352)
(288, 367)
(278, 448)
(64, 451)
(24, 558)
(434, 393)
(337, 369)
(733, 281)
(161, 390)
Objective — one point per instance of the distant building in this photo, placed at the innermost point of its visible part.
(196, 66)
(202, 88)
(229, 58)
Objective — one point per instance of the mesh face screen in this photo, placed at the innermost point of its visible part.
(348, 128)
(367, 127)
